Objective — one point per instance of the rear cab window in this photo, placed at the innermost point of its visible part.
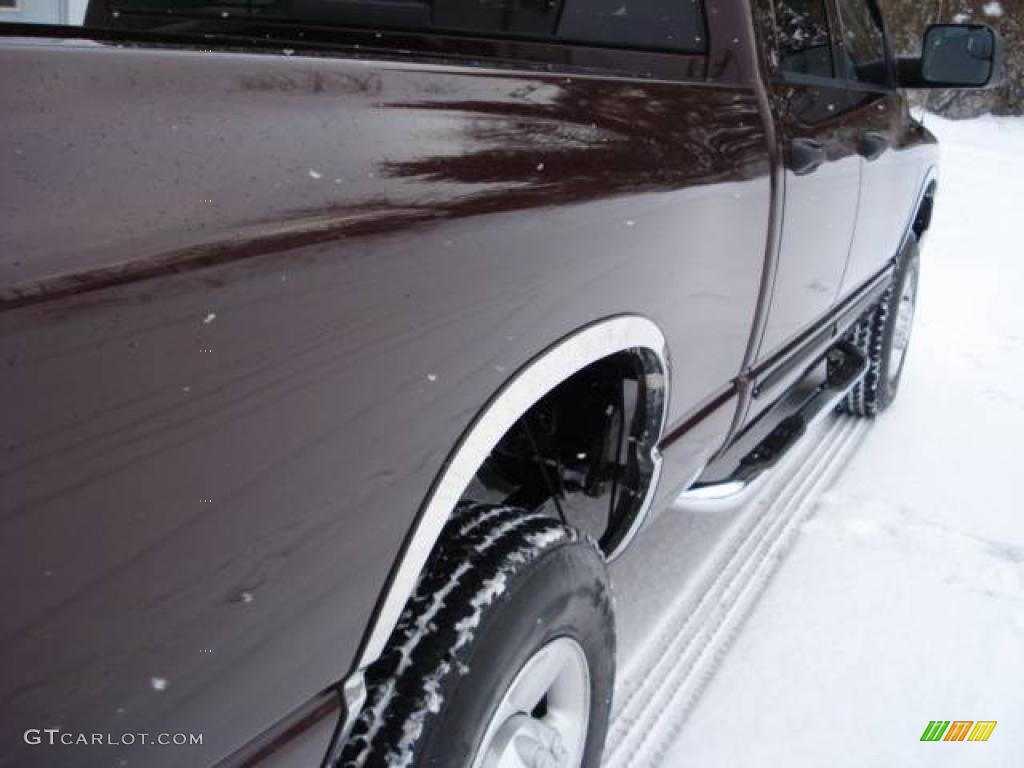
(803, 37)
(656, 25)
(863, 43)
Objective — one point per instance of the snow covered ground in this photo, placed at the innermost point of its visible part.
(901, 599)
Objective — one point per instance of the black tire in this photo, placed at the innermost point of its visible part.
(875, 335)
(433, 692)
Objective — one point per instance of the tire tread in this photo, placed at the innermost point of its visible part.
(481, 548)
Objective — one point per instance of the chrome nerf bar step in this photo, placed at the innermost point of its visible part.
(760, 446)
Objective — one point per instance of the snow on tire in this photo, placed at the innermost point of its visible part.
(503, 585)
(882, 335)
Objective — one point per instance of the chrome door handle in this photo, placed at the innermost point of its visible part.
(872, 145)
(805, 155)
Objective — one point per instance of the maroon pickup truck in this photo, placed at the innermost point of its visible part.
(344, 342)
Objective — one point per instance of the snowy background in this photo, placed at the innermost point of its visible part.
(878, 583)
(907, 20)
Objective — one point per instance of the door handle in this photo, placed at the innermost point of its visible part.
(805, 155)
(872, 145)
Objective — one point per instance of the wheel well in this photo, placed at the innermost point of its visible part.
(619, 349)
(586, 451)
(923, 217)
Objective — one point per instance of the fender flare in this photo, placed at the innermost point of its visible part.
(525, 388)
(926, 192)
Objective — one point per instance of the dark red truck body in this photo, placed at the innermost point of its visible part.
(250, 299)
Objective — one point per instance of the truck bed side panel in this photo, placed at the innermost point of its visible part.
(248, 303)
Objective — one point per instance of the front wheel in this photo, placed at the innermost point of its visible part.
(504, 657)
(883, 334)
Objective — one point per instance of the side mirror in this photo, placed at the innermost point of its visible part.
(955, 56)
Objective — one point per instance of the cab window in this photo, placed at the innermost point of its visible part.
(656, 25)
(863, 43)
(803, 37)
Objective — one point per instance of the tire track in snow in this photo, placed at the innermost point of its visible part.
(667, 677)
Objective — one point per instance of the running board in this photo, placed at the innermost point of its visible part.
(734, 472)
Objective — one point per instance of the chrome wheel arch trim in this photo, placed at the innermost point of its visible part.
(622, 333)
(928, 187)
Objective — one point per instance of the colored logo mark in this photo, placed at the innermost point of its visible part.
(958, 730)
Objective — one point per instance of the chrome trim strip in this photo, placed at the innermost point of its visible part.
(645, 506)
(543, 374)
(353, 695)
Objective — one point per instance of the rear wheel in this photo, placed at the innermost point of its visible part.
(883, 334)
(504, 657)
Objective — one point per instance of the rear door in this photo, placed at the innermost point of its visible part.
(822, 174)
(879, 112)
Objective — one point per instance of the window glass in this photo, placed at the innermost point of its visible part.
(863, 43)
(671, 25)
(803, 37)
